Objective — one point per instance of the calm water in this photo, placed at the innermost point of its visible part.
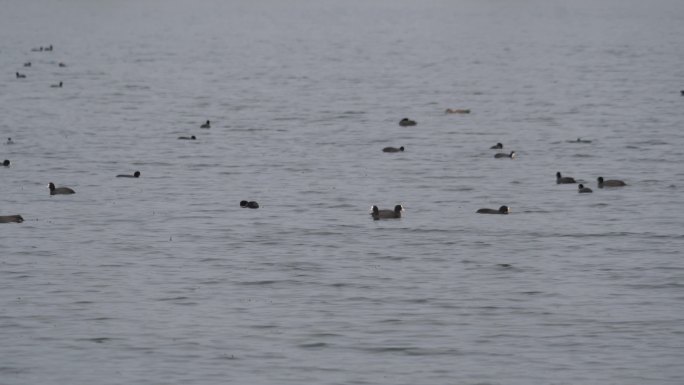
(166, 280)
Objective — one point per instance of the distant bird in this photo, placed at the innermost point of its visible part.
(61, 64)
(206, 125)
(610, 183)
(249, 205)
(21, 76)
(11, 219)
(457, 111)
(6, 163)
(187, 137)
(135, 175)
(497, 146)
(48, 48)
(9, 141)
(377, 214)
(37, 49)
(407, 122)
(56, 85)
(564, 179)
(581, 189)
(503, 155)
(393, 149)
(501, 210)
(60, 190)
(580, 140)
(27, 64)
(682, 92)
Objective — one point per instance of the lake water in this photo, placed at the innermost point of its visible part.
(166, 280)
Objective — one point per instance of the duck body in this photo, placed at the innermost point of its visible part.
(393, 149)
(187, 137)
(249, 204)
(406, 122)
(564, 179)
(583, 190)
(60, 190)
(20, 76)
(502, 210)
(457, 111)
(610, 182)
(134, 175)
(378, 214)
(59, 85)
(206, 125)
(11, 219)
(504, 155)
(6, 163)
(497, 146)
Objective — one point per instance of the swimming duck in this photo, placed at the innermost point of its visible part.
(386, 214)
(11, 219)
(610, 183)
(393, 149)
(501, 210)
(59, 190)
(503, 155)
(56, 85)
(457, 111)
(61, 64)
(497, 146)
(206, 125)
(6, 163)
(407, 122)
(581, 189)
(9, 141)
(27, 64)
(250, 204)
(187, 137)
(135, 175)
(564, 179)
(20, 76)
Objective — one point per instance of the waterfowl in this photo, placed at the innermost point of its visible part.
(581, 189)
(187, 137)
(407, 122)
(135, 175)
(457, 111)
(497, 146)
(20, 76)
(393, 149)
(503, 155)
(580, 140)
(564, 179)
(11, 219)
(206, 125)
(249, 205)
(59, 190)
(61, 64)
(48, 48)
(501, 210)
(610, 183)
(27, 64)
(6, 163)
(56, 85)
(9, 141)
(386, 214)
(682, 92)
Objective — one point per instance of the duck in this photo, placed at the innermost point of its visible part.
(501, 210)
(48, 48)
(582, 190)
(60, 190)
(393, 149)
(579, 140)
(206, 125)
(187, 137)
(6, 163)
(27, 64)
(56, 85)
(61, 64)
(135, 175)
(11, 219)
(564, 179)
(457, 111)
(504, 155)
(21, 76)
(386, 214)
(407, 122)
(682, 92)
(9, 141)
(250, 204)
(497, 146)
(610, 182)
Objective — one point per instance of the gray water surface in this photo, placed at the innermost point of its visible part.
(166, 280)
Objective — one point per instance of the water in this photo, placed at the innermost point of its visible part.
(166, 280)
